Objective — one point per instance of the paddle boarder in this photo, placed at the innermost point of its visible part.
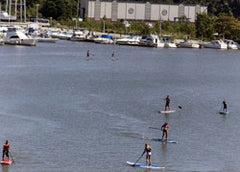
(6, 150)
(148, 150)
(168, 101)
(88, 53)
(165, 128)
(224, 106)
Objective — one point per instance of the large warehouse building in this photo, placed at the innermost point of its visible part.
(138, 11)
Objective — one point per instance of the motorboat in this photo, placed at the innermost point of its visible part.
(188, 44)
(104, 39)
(131, 40)
(151, 41)
(65, 35)
(79, 35)
(15, 36)
(215, 44)
(169, 42)
(231, 44)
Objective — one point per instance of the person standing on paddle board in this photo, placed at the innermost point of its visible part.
(168, 101)
(6, 150)
(165, 128)
(224, 106)
(148, 150)
(88, 53)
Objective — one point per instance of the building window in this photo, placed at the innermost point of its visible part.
(164, 12)
(130, 11)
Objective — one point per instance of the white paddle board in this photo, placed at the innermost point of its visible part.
(167, 111)
(144, 165)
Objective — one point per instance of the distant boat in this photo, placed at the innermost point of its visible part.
(169, 42)
(15, 36)
(231, 44)
(216, 44)
(104, 39)
(188, 44)
(151, 41)
(131, 40)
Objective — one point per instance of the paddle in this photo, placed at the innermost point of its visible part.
(137, 160)
(154, 128)
(11, 156)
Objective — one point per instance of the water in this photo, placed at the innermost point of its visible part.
(61, 112)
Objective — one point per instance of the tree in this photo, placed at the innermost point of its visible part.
(204, 26)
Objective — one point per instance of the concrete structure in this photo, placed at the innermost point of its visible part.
(138, 11)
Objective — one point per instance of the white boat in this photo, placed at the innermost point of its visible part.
(131, 40)
(104, 39)
(79, 35)
(66, 35)
(15, 36)
(216, 44)
(169, 42)
(151, 41)
(188, 44)
(231, 44)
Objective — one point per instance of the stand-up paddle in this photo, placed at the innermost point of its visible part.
(11, 157)
(137, 160)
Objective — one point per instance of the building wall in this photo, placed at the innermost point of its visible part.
(114, 10)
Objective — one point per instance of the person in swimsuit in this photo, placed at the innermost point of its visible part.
(6, 149)
(165, 129)
(224, 106)
(148, 150)
(168, 101)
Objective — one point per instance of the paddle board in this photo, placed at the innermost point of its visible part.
(144, 165)
(167, 111)
(7, 162)
(224, 113)
(159, 140)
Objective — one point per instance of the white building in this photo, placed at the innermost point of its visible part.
(138, 11)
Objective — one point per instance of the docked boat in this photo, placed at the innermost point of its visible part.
(104, 39)
(188, 44)
(65, 35)
(79, 35)
(169, 42)
(216, 44)
(131, 40)
(17, 37)
(231, 44)
(151, 41)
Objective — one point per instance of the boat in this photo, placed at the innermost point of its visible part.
(215, 44)
(104, 39)
(65, 35)
(151, 41)
(188, 44)
(231, 44)
(15, 36)
(78, 35)
(131, 40)
(169, 42)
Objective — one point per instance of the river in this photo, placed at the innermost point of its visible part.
(61, 112)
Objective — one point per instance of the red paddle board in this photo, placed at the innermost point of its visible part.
(6, 162)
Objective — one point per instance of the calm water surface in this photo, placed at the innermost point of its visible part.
(62, 112)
